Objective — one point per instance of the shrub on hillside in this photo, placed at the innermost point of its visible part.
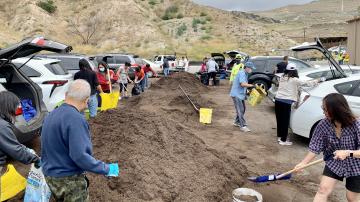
(170, 12)
(203, 14)
(47, 5)
(181, 30)
(205, 37)
(179, 16)
(152, 2)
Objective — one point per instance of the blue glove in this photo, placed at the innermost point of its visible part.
(113, 170)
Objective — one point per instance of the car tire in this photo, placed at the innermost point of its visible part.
(262, 84)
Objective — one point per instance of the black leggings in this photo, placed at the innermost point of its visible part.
(123, 87)
(283, 112)
(213, 76)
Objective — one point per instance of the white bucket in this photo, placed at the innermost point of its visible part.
(246, 192)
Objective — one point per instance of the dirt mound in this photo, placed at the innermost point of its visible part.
(186, 80)
(161, 158)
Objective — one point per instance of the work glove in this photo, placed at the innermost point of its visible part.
(113, 170)
(37, 163)
(30, 151)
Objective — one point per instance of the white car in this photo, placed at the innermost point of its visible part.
(305, 118)
(315, 73)
(156, 67)
(159, 59)
(52, 78)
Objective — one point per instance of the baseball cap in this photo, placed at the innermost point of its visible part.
(250, 65)
(291, 66)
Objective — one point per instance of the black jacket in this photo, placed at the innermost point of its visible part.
(10, 146)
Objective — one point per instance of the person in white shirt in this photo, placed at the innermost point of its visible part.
(186, 64)
(212, 68)
(286, 95)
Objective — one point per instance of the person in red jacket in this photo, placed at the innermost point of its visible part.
(103, 77)
(148, 72)
(140, 77)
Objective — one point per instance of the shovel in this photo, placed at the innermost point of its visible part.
(283, 176)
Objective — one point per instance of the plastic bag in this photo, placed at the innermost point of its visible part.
(36, 189)
(29, 111)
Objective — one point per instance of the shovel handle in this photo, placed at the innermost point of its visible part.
(108, 74)
(302, 167)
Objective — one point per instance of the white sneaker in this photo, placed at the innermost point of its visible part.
(120, 98)
(279, 139)
(236, 124)
(286, 143)
(245, 129)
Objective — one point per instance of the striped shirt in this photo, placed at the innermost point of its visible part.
(325, 140)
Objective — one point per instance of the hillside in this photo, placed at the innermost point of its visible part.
(145, 27)
(320, 18)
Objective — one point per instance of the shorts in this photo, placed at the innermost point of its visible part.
(352, 183)
(72, 188)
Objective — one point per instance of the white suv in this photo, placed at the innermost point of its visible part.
(52, 78)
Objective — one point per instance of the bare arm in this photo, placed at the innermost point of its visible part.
(308, 158)
(247, 85)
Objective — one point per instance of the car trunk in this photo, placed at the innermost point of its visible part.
(15, 81)
(219, 59)
(334, 65)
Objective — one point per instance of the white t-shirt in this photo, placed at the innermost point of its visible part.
(289, 87)
(123, 75)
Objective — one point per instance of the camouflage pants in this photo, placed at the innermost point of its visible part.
(69, 189)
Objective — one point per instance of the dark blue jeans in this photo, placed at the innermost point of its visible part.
(142, 84)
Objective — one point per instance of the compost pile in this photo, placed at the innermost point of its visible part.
(153, 137)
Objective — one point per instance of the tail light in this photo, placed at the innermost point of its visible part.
(40, 41)
(18, 111)
(55, 83)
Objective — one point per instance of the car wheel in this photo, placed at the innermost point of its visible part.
(262, 84)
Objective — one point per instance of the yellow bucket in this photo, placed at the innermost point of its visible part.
(205, 115)
(109, 100)
(256, 96)
(12, 183)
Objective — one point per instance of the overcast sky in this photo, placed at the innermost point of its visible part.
(249, 5)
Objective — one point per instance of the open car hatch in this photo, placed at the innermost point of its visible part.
(319, 46)
(31, 46)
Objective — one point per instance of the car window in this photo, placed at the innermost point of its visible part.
(56, 68)
(122, 59)
(345, 88)
(139, 61)
(272, 65)
(317, 75)
(351, 71)
(356, 91)
(300, 65)
(70, 63)
(259, 65)
(28, 71)
(158, 59)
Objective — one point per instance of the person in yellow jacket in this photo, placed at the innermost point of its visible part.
(235, 69)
